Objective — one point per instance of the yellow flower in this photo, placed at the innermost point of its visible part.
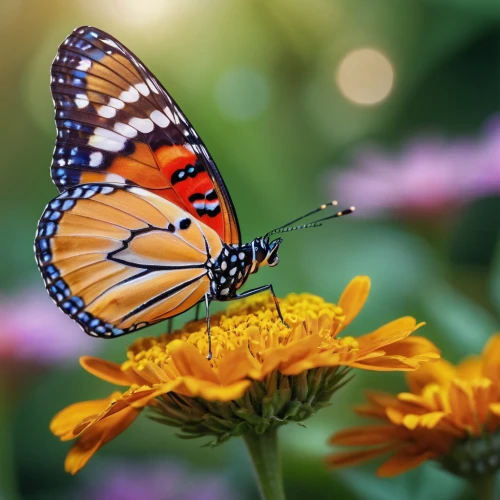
(451, 415)
(262, 374)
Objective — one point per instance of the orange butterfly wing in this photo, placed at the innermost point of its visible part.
(118, 258)
(116, 123)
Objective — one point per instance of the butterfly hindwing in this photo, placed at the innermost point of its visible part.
(117, 258)
(116, 123)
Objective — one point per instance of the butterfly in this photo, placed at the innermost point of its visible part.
(144, 227)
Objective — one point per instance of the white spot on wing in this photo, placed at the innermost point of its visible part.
(107, 140)
(95, 159)
(84, 64)
(135, 190)
(151, 85)
(144, 125)
(124, 129)
(180, 117)
(106, 111)
(159, 118)
(114, 178)
(169, 113)
(130, 95)
(116, 103)
(142, 88)
(212, 205)
(110, 42)
(81, 101)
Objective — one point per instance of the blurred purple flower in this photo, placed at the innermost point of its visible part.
(34, 331)
(430, 175)
(152, 480)
(489, 149)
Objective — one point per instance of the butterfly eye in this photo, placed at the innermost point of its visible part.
(260, 255)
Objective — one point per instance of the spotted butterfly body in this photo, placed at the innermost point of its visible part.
(144, 227)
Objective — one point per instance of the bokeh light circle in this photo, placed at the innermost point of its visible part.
(365, 76)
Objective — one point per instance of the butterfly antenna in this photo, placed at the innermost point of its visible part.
(312, 212)
(315, 223)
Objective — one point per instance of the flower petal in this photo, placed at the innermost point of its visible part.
(365, 435)
(427, 420)
(346, 459)
(190, 362)
(141, 397)
(66, 420)
(470, 368)
(440, 372)
(491, 357)
(236, 365)
(403, 462)
(462, 405)
(413, 347)
(97, 436)
(386, 364)
(495, 409)
(194, 387)
(105, 370)
(353, 299)
(284, 356)
(387, 334)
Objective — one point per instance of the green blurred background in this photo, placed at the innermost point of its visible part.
(261, 82)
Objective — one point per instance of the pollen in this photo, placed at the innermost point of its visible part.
(253, 322)
(348, 343)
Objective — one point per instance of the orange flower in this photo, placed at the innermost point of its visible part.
(451, 415)
(262, 374)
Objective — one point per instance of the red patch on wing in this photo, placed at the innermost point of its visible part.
(174, 158)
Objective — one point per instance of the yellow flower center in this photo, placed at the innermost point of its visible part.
(348, 344)
(253, 321)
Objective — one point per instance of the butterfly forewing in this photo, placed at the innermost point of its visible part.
(116, 123)
(117, 258)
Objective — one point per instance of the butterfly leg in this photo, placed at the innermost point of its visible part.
(170, 325)
(208, 299)
(262, 289)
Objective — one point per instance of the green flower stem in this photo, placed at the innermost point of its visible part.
(8, 487)
(263, 449)
(485, 487)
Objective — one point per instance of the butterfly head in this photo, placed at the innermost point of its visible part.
(264, 252)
